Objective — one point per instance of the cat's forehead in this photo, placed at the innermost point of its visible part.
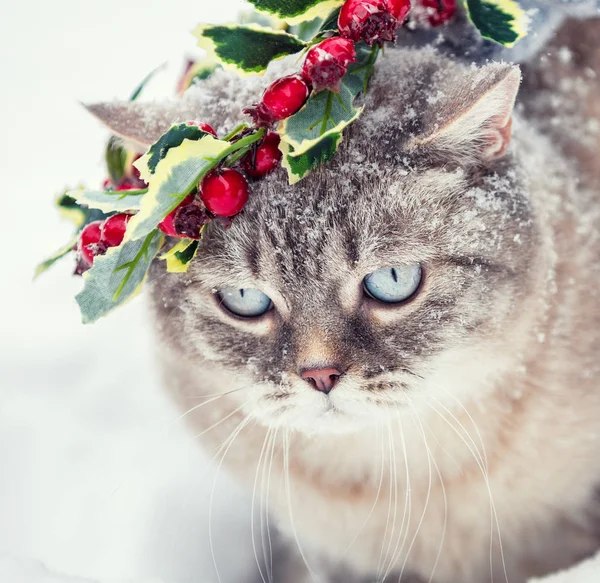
(332, 224)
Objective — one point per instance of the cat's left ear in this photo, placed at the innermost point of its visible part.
(471, 122)
(140, 124)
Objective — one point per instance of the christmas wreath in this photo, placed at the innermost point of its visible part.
(191, 176)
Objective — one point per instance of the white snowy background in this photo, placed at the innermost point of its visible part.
(98, 481)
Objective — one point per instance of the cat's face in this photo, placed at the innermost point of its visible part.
(394, 271)
(459, 245)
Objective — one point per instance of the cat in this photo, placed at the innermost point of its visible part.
(453, 436)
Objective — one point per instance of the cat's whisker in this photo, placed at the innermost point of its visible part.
(382, 559)
(269, 559)
(365, 522)
(479, 461)
(468, 414)
(286, 465)
(217, 423)
(431, 457)
(226, 445)
(425, 506)
(252, 512)
(402, 535)
(211, 399)
(408, 494)
(481, 453)
(493, 517)
(394, 481)
(165, 428)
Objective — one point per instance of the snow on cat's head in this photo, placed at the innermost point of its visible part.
(388, 279)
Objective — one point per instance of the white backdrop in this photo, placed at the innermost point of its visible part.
(96, 479)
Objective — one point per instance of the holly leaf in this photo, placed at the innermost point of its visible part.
(79, 215)
(175, 176)
(109, 201)
(248, 49)
(195, 71)
(330, 24)
(326, 113)
(359, 73)
(502, 21)
(311, 136)
(62, 252)
(172, 138)
(117, 276)
(298, 166)
(179, 257)
(138, 90)
(296, 11)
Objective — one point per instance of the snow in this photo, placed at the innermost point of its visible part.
(100, 482)
(34, 572)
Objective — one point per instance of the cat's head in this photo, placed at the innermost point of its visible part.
(390, 277)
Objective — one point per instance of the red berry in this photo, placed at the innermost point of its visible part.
(166, 225)
(438, 11)
(326, 63)
(265, 158)
(280, 100)
(189, 220)
(89, 245)
(127, 185)
(372, 20)
(113, 229)
(224, 192)
(399, 9)
(204, 127)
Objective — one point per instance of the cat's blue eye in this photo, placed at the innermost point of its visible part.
(393, 285)
(249, 303)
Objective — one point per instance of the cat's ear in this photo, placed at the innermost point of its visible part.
(140, 124)
(471, 122)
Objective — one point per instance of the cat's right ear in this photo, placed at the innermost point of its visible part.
(140, 124)
(471, 123)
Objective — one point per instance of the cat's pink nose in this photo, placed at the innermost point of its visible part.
(322, 379)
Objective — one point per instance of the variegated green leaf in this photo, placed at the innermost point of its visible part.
(359, 73)
(312, 136)
(138, 90)
(175, 176)
(296, 11)
(503, 21)
(79, 215)
(325, 114)
(62, 252)
(247, 49)
(109, 201)
(179, 257)
(117, 276)
(170, 139)
(299, 166)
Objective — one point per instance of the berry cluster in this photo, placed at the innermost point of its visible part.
(326, 63)
(224, 191)
(97, 237)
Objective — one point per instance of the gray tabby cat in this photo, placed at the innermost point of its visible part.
(411, 375)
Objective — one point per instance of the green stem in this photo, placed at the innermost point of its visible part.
(370, 65)
(247, 141)
(327, 112)
(235, 132)
(238, 155)
(131, 265)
